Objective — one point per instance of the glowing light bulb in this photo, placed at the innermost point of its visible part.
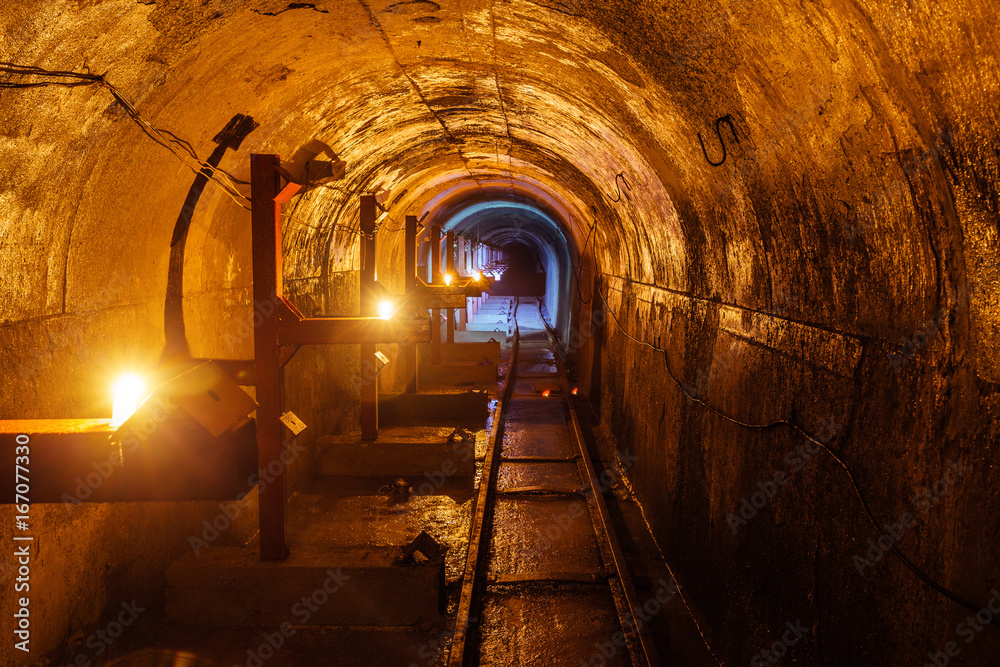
(546, 393)
(574, 391)
(447, 279)
(385, 310)
(477, 276)
(127, 392)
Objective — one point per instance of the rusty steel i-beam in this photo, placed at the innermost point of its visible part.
(369, 307)
(410, 356)
(435, 280)
(450, 268)
(282, 329)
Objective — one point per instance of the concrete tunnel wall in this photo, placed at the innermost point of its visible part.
(838, 269)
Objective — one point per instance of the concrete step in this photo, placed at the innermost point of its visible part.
(479, 336)
(399, 451)
(491, 309)
(501, 325)
(457, 374)
(427, 408)
(496, 320)
(315, 586)
(475, 352)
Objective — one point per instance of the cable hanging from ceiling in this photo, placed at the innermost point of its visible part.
(29, 76)
(37, 77)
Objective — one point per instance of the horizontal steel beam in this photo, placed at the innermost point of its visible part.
(458, 288)
(347, 330)
(435, 301)
(166, 457)
(293, 329)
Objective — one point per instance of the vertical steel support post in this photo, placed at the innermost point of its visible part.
(410, 359)
(463, 261)
(266, 241)
(449, 259)
(369, 308)
(436, 279)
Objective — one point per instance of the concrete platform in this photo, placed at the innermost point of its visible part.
(500, 324)
(347, 537)
(469, 374)
(356, 511)
(475, 352)
(399, 451)
(317, 586)
(438, 408)
(479, 336)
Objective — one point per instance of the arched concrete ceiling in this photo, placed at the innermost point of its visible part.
(852, 196)
(499, 222)
(827, 102)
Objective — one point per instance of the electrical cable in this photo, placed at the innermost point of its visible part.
(869, 513)
(583, 256)
(179, 147)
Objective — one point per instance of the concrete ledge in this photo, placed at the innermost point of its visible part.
(399, 451)
(332, 586)
(501, 325)
(475, 352)
(479, 336)
(466, 407)
(457, 373)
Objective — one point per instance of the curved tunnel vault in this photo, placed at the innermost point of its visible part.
(784, 212)
(500, 223)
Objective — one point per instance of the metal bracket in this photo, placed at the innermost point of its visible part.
(425, 545)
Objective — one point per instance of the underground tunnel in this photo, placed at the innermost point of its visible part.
(499, 332)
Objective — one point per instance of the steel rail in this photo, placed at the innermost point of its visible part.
(473, 578)
(482, 518)
(602, 523)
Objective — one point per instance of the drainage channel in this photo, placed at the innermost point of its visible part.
(545, 582)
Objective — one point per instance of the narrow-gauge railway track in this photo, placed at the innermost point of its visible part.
(545, 582)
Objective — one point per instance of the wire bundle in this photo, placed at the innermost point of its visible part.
(40, 78)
